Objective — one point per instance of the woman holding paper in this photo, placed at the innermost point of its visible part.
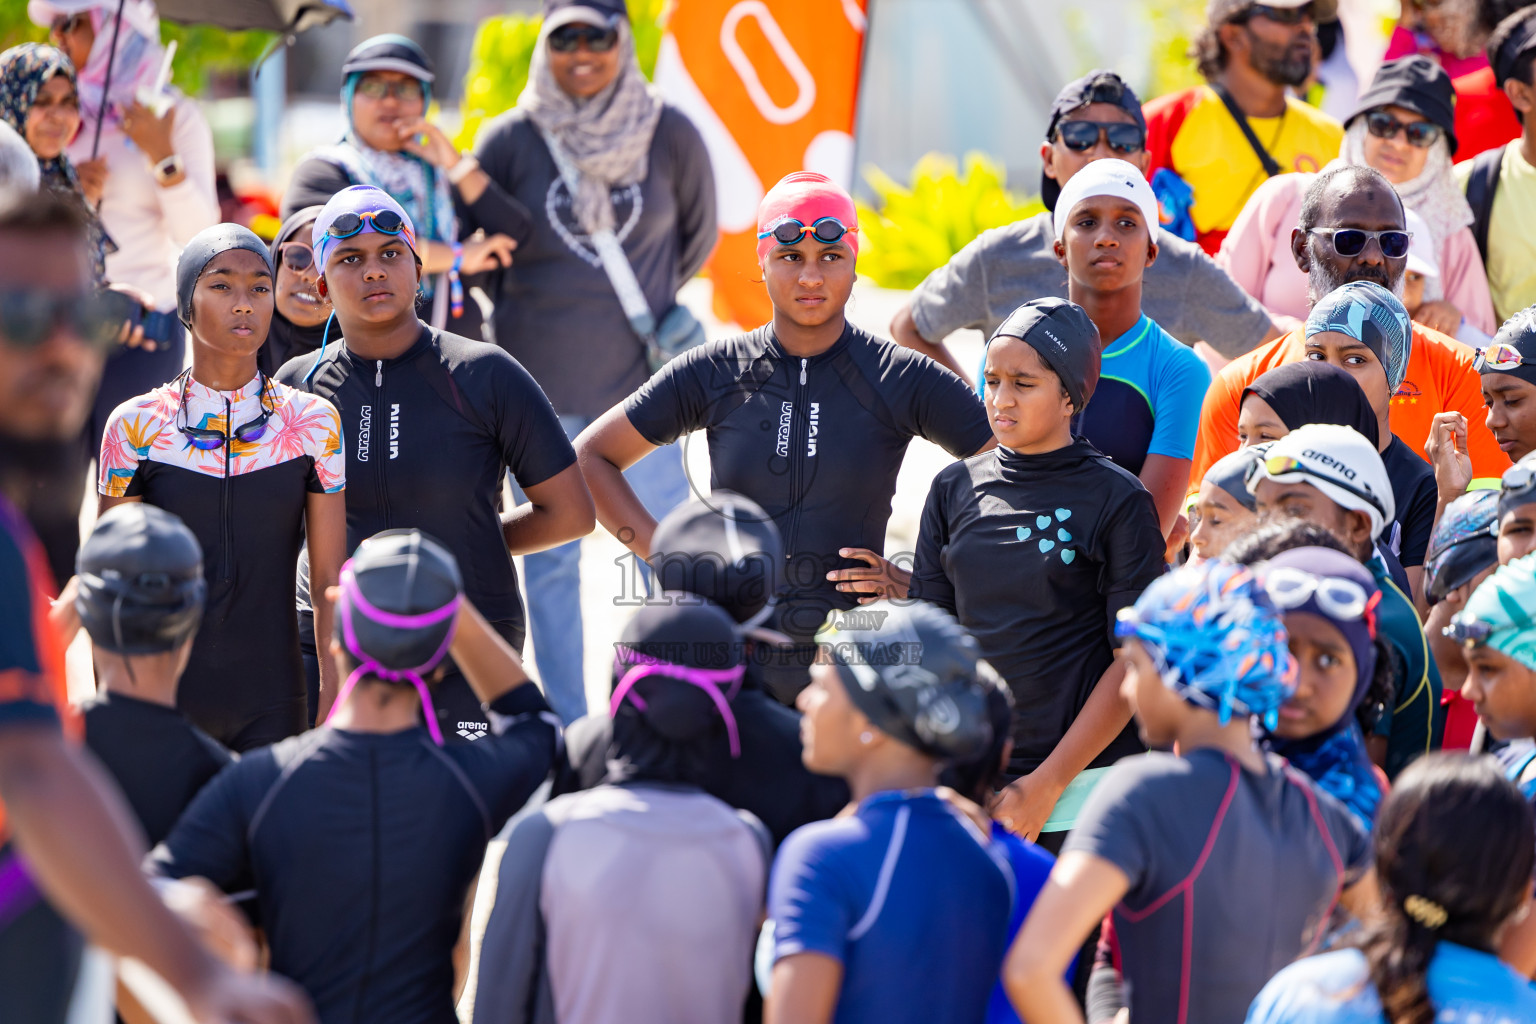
(145, 154)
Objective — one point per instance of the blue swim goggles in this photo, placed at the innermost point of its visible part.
(826, 230)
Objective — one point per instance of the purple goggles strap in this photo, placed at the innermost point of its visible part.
(352, 595)
(708, 680)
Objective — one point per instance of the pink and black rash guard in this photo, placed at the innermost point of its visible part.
(245, 501)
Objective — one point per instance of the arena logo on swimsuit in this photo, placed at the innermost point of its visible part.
(810, 444)
(364, 431)
(786, 413)
(394, 430)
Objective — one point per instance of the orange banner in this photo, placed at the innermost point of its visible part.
(773, 87)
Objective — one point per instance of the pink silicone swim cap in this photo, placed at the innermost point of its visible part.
(807, 197)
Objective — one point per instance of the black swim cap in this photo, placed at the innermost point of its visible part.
(916, 674)
(399, 602)
(201, 250)
(141, 586)
(678, 665)
(726, 549)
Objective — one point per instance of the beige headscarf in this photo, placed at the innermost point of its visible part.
(607, 137)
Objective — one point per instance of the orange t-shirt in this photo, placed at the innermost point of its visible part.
(1440, 379)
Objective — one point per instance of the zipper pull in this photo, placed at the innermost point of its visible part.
(378, 374)
(802, 371)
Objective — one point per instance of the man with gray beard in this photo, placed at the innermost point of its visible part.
(1351, 228)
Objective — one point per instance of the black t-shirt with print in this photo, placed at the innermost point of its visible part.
(817, 442)
(1035, 555)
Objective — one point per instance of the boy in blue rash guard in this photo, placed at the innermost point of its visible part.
(1189, 849)
(1049, 508)
(897, 912)
(1431, 953)
(1150, 385)
(361, 837)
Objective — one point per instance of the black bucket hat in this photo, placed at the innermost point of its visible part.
(1414, 83)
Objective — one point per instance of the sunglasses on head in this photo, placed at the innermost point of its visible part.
(206, 439)
(1352, 241)
(297, 256)
(29, 318)
(401, 89)
(824, 229)
(1343, 599)
(1283, 15)
(385, 222)
(1081, 136)
(1497, 357)
(567, 38)
(1274, 466)
(1420, 134)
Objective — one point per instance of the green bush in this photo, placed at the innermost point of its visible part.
(916, 229)
(503, 51)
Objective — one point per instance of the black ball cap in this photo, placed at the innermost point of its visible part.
(1514, 37)
(389, 52)
(1098, 86)
(1065, 338)
(593, 12)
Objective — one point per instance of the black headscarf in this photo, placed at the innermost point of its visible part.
(287, 339)
(1313, 391)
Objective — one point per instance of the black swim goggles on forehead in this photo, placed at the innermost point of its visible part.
(1081, 136)
(825, 230)
(29, 318)
(1497, 357)
(1351, 241)
(206, 439)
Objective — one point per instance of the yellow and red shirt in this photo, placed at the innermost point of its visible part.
(1193, 134)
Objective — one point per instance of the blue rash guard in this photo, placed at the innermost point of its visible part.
(909, 897)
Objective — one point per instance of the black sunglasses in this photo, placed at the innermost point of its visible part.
(205, 439)
(567, 38)
(29, 318)
(1283, 15)
(1351, 241)
(297, 256)
(1383, 125)
(1081, 136)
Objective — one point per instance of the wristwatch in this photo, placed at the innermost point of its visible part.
(169, 168)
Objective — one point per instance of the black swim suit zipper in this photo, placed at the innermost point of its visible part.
(797, 443)
(378, 431)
